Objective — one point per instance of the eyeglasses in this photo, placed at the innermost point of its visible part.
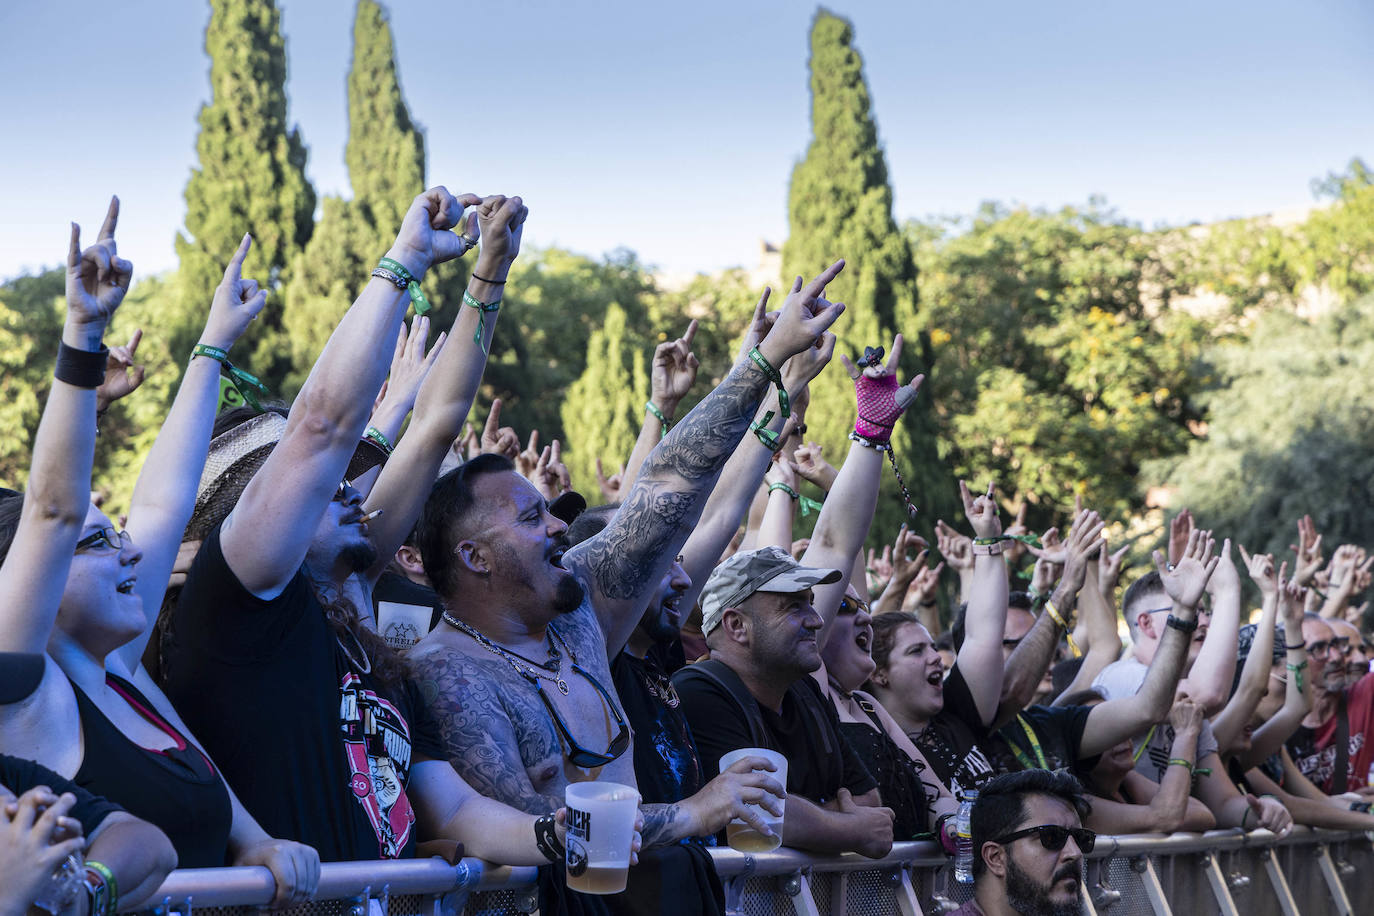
(1054, 836)
(112, 539)
(578, 755)
(850, 605)
(1324, 647)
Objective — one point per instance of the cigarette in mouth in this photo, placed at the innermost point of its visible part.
(370, 516)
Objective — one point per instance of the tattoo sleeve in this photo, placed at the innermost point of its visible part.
(478, 737)
(626, 560)
(663, 824)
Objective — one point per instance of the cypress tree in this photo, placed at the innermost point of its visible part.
(250, 178)
(386, 168)
(840, 205)
(604, 408)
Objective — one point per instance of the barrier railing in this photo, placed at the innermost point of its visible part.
(1226, 872)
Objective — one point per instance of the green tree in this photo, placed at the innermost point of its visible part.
(840, 205)
(1290, 419)
(602, 412)
(31, 313)
(1058, 370)
(250, 178)
(386, 168)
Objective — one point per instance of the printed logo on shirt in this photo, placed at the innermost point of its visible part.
(377, 745)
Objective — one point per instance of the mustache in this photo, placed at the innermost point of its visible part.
(1068, 871)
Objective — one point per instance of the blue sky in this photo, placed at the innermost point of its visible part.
(672, 128)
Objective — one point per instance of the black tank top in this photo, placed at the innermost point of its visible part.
(177, 790)
(899, 783)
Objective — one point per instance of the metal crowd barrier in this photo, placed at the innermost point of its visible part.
(1312, 873)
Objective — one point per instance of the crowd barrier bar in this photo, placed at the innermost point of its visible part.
(1223, 872)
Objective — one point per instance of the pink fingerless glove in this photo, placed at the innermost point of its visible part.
(878, 408)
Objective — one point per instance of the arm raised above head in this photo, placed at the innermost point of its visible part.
(624, 563)
(58, 495)
(266, 536)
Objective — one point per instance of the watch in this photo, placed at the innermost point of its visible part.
(1187, 626)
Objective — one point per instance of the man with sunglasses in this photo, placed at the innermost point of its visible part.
(1029, 842)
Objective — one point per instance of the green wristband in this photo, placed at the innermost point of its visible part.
(785, 488)
(653, 409)
(379, 437)
(417, 297)
(247, 384)
(482, 308)
(775, 377)
(766, 435)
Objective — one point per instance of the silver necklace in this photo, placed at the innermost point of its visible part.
(551, 670)
(365, 666)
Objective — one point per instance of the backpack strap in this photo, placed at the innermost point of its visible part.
(720, 674)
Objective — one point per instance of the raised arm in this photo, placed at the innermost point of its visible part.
(1228, 724)
(980, 658)
(671, 376)
(1119, 719)
(1298, 699)
(58, 495)
(448, 391)
(1209, 681)
(624, 562)
(1026, 666)
(905, 570)
(848, 512)
(165, 494)
(266, 536)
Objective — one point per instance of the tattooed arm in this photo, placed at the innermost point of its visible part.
(479, 738)
(623, 564)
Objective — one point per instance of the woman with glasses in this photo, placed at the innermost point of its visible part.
(75, 587)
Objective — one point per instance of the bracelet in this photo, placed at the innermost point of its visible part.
(376, 435)
(1295, 648)
(1361, 806)
(1245, 817)
(546, 838)
(770, 440)
(1183, 626)
(102, 889)
(246, 383)
(1063, 624)
(482, 308)
(81, 368)
(403, 279)
(653, 409)
(775, 377)
(1297, 670)
(992, 549)
(870, 443)
(1179, 761)
(484, 279)
(785, 488)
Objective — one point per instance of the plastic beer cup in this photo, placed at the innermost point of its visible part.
(741, 835)
(601, 830)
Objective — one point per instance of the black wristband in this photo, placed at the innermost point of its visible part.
(485, 280)
(81, 368)
(1295, 648)
(1186, 626)
(546, 838)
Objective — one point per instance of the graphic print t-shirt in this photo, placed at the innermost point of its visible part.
(667, 768)
(317, 751)
(950, 743)
(1314, 749)
(1124, 678)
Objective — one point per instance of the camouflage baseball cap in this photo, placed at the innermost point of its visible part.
(768, 569)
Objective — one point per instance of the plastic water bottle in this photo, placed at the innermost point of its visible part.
(63, 885)
(963, 838)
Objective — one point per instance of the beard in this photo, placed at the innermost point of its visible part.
(358, 556)
(1028, 898)
(568, 595)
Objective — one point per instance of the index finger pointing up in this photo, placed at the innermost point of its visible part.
(822, 280)
(107, 228)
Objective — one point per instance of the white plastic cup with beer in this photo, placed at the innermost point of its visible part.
(601, 830)
(739, 834)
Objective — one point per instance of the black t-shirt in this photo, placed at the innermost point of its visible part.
(1057, 729)
(317, 751)
(950, 742)
(719, 726)
(666, 764)
(19, 776)
(177, 790)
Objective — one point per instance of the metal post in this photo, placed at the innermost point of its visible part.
(1282, 892)
(1220, 890)
(1333, 881)
(907, 902)
(798, 887)
(1153, 889)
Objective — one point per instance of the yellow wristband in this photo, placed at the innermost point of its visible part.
(1068, 635)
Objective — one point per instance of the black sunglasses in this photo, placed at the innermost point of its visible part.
(578, 755)
(1054, 836)
(853, 606)
(110, 537)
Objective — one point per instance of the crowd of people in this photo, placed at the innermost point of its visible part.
(314, 638)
